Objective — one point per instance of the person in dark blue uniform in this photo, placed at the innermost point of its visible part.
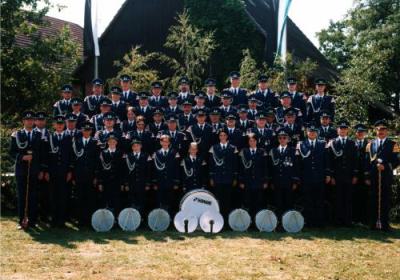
(216, 124)
(294, 130)
(110, 173)
(187, 118)
(200, 100)
(98, 119)
(27, 150)
(236, 137)
(284, 173)
(109, 128)
(70, 129)
(145, 136)
(184, 91)
(166, 174)
(298, 98)
(226, 108)
(144, 109)
(223, 171)
(137, 176)
(43, 183)
(239, 95)
(156, 99)
(118, 106)
(81, 118)
(158, 123)
(201, 133)
(243, 122)
(343, 159)
(361, 191)
(193, 170)
(63, 106)
(286, 103)
(265, 95)
(253, 105)
(172, 107)
(59, 165)
(326, 131)
(382, 158)
(84, 161)
(212, 100)
(91, 103)
(253, 175)
(130, 123)
(128, 95)
(179, 139)
(319, 102)
(265, 136)
(314, 174)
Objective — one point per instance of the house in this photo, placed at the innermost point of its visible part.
(146, 23)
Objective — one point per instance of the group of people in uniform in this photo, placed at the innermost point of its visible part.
(252, 150)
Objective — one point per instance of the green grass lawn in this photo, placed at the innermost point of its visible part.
(72, 254)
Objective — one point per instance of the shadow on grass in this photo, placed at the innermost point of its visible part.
(69, 236)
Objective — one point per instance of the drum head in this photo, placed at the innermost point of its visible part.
(293, 221)
(102, 220)
(129, 219)
(197, 202)
(182, 218)
(266, 220)
(158, 220)
(239, 220)
(211, 219)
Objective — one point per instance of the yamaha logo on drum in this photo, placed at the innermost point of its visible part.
(200, 200)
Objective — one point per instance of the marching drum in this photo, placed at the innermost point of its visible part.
(196, 202)
(158, 220)
(211, 221)
(266, 220)
(185, 222)
(239, 220)
(129, 219)
(292, 221)
(102, 220)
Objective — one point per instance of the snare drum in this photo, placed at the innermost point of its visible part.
(266, 220)
(129, 219)
(102, 220)
(293, 221)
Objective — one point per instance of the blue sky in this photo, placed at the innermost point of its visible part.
(310, 15)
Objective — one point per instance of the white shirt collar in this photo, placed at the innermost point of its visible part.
(111, 150)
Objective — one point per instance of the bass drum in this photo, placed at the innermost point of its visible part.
(266, 220)
(198, 201)
(102, 220)
(293, 221)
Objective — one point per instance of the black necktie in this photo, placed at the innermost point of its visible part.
(59, 137)
(29, 136)
(253, 152)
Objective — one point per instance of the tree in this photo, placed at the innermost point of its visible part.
(249, 71)
(32, 74)
(137, 65)
(194, 47)
(234, 32)
(365, 46)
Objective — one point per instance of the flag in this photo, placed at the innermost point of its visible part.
(283, 11)
(90, 39)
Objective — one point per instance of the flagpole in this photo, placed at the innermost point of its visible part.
(283, 12)
(96, 45)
